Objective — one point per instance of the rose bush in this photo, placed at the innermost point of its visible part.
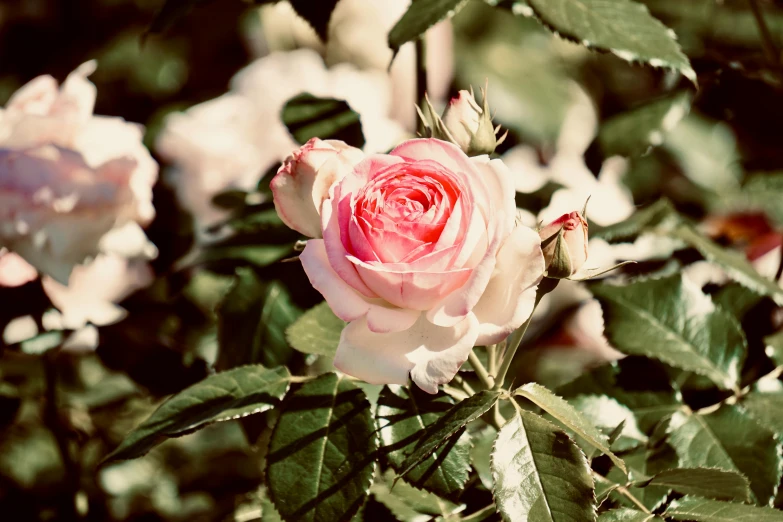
(418, 250)
(70, 180)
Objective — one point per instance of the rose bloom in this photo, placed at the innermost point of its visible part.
(418, 250)
(69, 179)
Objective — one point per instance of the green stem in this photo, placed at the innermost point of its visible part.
(481, 372)
(623, 490)
(492, 356)
(421, 77)
(515, 339)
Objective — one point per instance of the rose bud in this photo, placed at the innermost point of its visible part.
(302, 183)
(564, 243)
(464, 123)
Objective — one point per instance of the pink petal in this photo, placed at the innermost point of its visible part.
(347, 303)
(510, 295)
(431, 354)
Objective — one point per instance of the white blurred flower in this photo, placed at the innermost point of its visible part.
(15, 271)
(67, 177)
(357, 34)
(231, 141)
(610, 201)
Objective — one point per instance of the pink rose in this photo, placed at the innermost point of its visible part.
(420, 254)
(566, 254)
(69, 179)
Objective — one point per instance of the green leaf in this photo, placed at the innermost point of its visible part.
(703, 482)
(439, 432)
(774, 347)
(703, 510)
(622, 27)
(636, 382)
(766, 408)
(730, 440)
(254, 254)
(317, 14)
(409, 504)
(659, 212)
(736, 299)
(540, 474)
(626, 515)
(483, 443)
(403, 414)
(420, 16)
(317, 331)
(670, 319)
(635, 132)
(734, 263)
(606, 413)
(252, 320)
(707, 153)
(307, 116)
(220, 397)
(322, 451)
(642, 463)
(559, 408)
(761, 191)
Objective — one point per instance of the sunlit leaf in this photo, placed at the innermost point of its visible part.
(539, 473)
(561, 410)
(322, 451)
(704, 510)
(223, 396)
(317, 331)
(403, 414)
(670, 319)
(703, 482)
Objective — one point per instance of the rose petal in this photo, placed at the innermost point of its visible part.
(510, 295)
(431, 354)
(347, 303)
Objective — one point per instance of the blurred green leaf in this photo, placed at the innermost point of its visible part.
(766, 408)
(252, 321)
(317, 331)
(774, 347)
(734, 263)
(403, 414)
(638, 383)
(636, 131)
(760, 191)
(224, 396)
(703, 510)
(642, 463)
(540, 474)
(307, 116)
(670, 319)
(409, 504)
(729, 439)
(703, 482)
(322, 451)
(446, 426)
(606, 413)
(420, 16)
(652, 216)
(736, 299)
(565, 413)
(622, 27)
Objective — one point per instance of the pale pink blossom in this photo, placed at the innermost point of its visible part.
(15, 271)
(564, 243)
(420, 253)
(610, 200)
(67, 177)
(358, 35)
(231, 141)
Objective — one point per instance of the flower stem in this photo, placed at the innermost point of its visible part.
(623, 490)
(486, 379)
(421, 76)
(515, 339)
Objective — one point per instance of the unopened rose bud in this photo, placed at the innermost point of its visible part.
(464, 123)
(564, 243)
